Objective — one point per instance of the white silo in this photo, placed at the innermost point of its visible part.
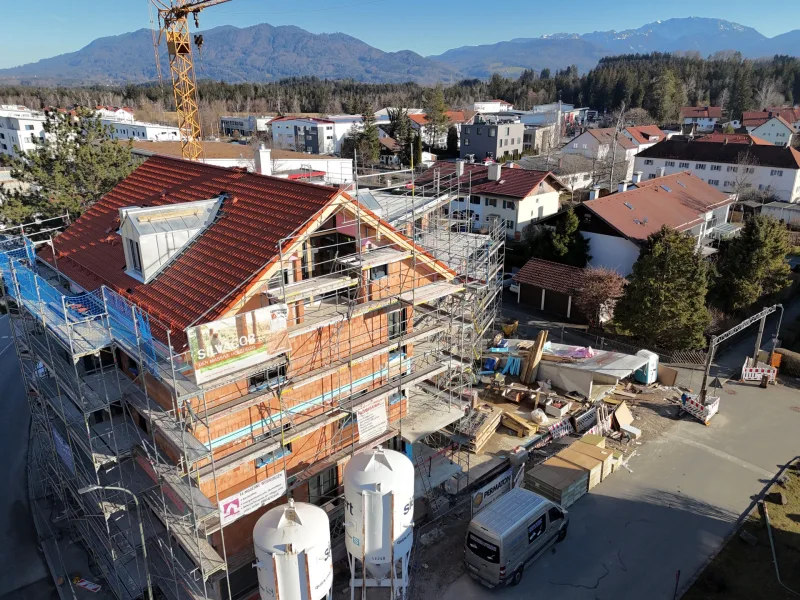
(293, 553)
(379, 496)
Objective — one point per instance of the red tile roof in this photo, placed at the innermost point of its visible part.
(678, 201)
(513, 183)
(733, 138)
(701, 112)
(232, 251)
(643, 133)
(455, 116)
(551, 276)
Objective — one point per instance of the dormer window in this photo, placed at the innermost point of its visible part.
(136, 256)
(155, 236)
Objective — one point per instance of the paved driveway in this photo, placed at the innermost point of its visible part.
(23, 573)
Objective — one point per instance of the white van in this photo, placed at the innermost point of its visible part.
(509, 534)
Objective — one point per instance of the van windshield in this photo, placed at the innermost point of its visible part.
(483, 549)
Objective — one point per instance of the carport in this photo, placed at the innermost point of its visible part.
(549, 286)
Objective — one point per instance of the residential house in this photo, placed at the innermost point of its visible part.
(244, 125)
(775, 129)
(790, 114)
(390, 151)
(115, 113)
(598, 144)
(567, 115)
(456, 118)
(540, 138)
(232, 339)
(618, 224)
(492, 106)
(20, 128)
(644, 136)
(491, 139)
(303, 134)
(701, 118)
(287, 164)
(550, 287)
(342, 126)
(575, 171)
(783, 211)
(770, 169)
(518, 197)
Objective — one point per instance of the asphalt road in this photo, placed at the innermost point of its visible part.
(23, 572)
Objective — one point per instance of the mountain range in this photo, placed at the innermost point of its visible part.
(267, 53)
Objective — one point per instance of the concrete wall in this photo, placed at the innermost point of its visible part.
(612, 252)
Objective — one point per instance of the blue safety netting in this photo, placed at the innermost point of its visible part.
(23, 251)
(130, 327)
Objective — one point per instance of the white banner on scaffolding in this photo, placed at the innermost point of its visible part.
(64, 451)
(372, 419)
(252, 498)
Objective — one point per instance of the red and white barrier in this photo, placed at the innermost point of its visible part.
(698, 410)
(560, 429)
(756, 373)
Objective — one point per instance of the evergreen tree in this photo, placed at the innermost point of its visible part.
(369, 143)
(741, 91)
(664, 301)
(436, 115)
(666, 97)
(452, 141)
(74, 165)
(565, 245)
(753, 264)
(417, 150)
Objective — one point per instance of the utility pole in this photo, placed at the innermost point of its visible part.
(617, 128)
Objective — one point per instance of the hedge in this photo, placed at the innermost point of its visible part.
(790, 362)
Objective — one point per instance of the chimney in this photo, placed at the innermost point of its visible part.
(661, 171)
(263, 160)
(594, 193)
(637, 177)
(459, 167)
(494, 171)
(623, 186)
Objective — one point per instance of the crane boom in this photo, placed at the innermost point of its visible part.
(174, 24)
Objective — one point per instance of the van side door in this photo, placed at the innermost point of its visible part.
(555, 517)
(536, 535)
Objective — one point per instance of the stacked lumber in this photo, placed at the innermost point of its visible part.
(530, 366)
(593, 466)
(558, 480)
(518, 425)
(481, 428)
(601, 454)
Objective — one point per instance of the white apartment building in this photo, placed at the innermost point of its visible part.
(774, 169)
(342, 124)
(20, 127)
(492, 106)
(303, 134)
(139, 130)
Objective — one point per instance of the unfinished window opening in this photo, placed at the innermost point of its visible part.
(267, 379)
(270, 457)
(323, 487)
(396, 323)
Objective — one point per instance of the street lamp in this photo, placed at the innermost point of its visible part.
(92, 488)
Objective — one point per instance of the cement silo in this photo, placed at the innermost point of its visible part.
(379, 496)
(293, 553)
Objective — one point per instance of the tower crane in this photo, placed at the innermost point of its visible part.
(173, 22)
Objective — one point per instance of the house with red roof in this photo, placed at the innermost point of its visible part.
(264, 330)
(598, 145)
(517, 197)
(775, 129)
(701, 118)
(618, 224)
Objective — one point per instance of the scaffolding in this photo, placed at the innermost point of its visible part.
(373, 316)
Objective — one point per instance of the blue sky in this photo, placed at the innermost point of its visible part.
(49, 27)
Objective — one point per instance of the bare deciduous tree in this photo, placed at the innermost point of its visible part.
(768, 94)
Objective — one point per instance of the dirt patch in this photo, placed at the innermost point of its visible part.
(742, 571)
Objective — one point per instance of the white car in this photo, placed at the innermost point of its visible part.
(508, 279)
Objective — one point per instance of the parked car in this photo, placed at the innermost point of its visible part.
(508, 279)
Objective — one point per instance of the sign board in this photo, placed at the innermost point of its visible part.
(64, 451)
(228, 345)
(87, 585)
(372, 419)
(252, 498)
(492, 490)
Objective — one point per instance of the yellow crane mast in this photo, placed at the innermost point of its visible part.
(173, 20)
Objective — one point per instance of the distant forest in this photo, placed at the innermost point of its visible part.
(659, 83)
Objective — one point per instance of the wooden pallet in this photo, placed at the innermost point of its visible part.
(518, 425)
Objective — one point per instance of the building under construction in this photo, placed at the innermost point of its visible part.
(204, 342)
